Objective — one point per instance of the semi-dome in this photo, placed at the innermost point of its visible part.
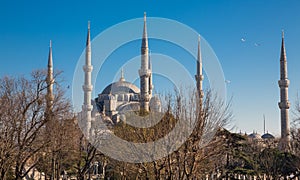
(121, 87)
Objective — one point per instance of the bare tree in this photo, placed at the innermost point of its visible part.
(193, 158)
(7, 138)
(295, 130)
(25, 124)
(23, 119)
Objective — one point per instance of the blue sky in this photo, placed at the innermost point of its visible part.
(27, 27)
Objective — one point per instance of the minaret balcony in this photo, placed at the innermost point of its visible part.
(284, 105)
(86, 107)
(144, 72)
(88, 68)
(199, 78)
(50, 80)
(87, 87)
(201, 94)
(144, 49)
(145, 98)
(50, 97)
(284, 83)
(151, 87)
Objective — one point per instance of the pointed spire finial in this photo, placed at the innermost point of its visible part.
(199, 75)
(88, 39)
(145, 38)
(283, 54)
(282, 33)
(50, 80)
(122, 75)
(50, 63)
(199, 50)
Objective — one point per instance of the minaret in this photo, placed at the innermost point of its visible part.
(199, 77)
(87, 87)
(50, 81)
(144, 72)
(284, 103)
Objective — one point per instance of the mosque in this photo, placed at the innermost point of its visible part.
(122, 96)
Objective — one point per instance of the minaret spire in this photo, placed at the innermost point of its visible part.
(87, 87)
(199, 77)
(284, 103)
(144, 71)
(50, 80)
(145, 36)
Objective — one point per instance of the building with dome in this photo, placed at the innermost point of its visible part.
(254, 136)
(121, 96)
(117, 97)
(267, 136)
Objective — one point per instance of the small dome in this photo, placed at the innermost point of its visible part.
(267, 136)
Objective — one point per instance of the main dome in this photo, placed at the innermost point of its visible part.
(121, 87)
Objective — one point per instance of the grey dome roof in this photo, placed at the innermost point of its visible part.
(267, 136)
(121, 87)
(254, 136)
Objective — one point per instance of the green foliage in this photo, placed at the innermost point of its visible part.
(277, 163)
(246, 157)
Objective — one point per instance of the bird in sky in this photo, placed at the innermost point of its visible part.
(256, 44)
(227, 81)
(243, 39)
